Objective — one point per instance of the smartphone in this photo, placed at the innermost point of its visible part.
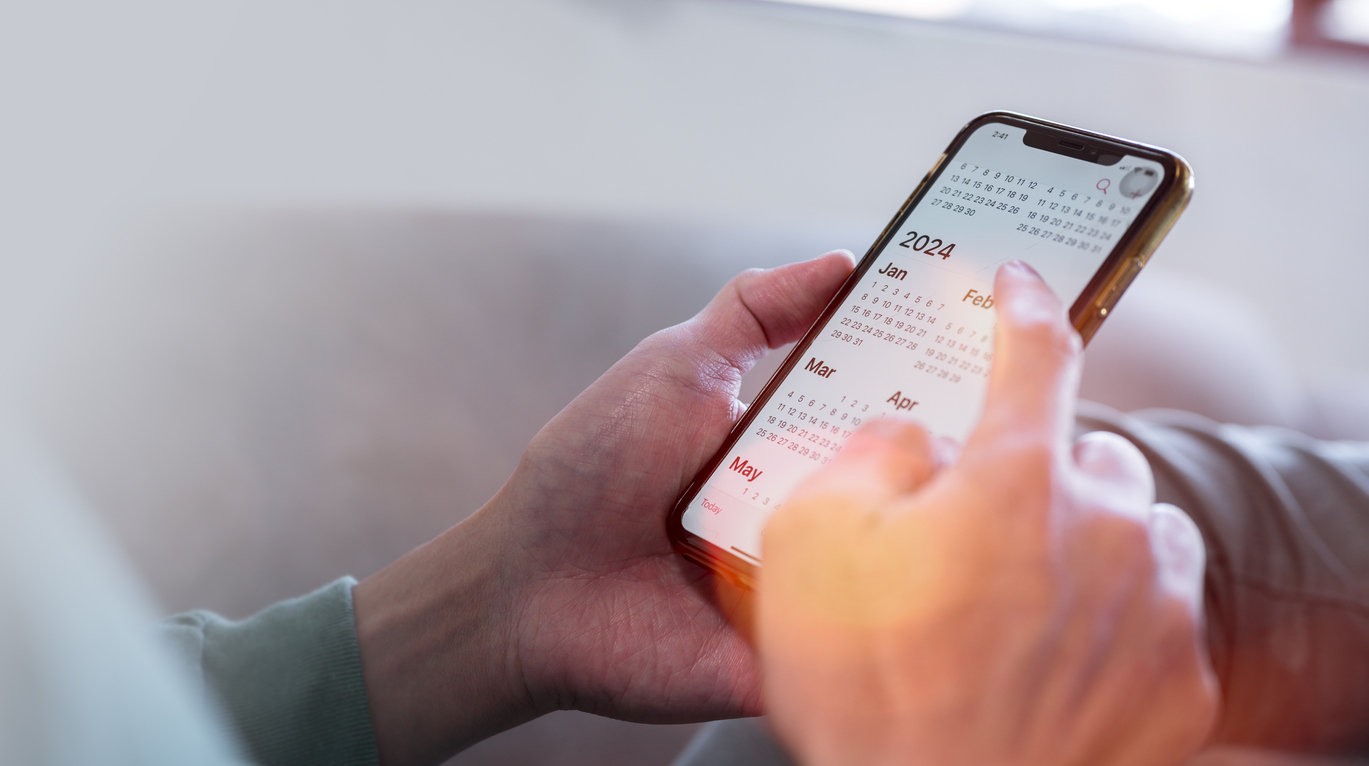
(910, 332)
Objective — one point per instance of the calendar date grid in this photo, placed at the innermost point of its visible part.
(950, 351)
(810, 428)
(1080, 220)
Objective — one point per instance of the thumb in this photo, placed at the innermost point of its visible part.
(764, 309)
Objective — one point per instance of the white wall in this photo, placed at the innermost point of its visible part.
(678, 109)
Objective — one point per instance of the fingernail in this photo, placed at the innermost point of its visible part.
(1022, 267)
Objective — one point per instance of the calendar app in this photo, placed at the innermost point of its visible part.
(914, 338)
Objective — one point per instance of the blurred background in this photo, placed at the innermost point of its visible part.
(287, 286)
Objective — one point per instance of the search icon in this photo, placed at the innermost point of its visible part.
(1103, 185)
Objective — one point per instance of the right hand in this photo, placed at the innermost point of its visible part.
(1027, 604)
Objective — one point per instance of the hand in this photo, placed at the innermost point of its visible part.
(563, 591)
(1022, 604)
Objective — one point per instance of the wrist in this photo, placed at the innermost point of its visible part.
(437, 651)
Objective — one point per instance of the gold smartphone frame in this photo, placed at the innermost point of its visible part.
(1090, 309)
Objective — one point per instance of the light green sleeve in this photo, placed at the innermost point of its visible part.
(288, 678)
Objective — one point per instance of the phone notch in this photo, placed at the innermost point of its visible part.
(1072, 146)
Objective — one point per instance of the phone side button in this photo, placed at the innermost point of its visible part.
(1119, 285)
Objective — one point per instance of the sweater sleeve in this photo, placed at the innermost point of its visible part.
(1285, 519)
(288, 678)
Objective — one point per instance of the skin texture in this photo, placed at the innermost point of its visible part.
(1022, 603)
(563, 591)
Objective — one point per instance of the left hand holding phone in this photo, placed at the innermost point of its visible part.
(563, 591)
(1024, 603)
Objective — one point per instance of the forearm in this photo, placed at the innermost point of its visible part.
(436, 646)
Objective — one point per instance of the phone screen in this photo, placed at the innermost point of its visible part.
(914, 336)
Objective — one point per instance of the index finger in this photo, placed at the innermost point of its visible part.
(1035, 375)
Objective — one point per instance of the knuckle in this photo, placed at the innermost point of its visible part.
(749, 287)
(746, 277)
(1116, 471)
(1110, 448)
(1178, 529)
